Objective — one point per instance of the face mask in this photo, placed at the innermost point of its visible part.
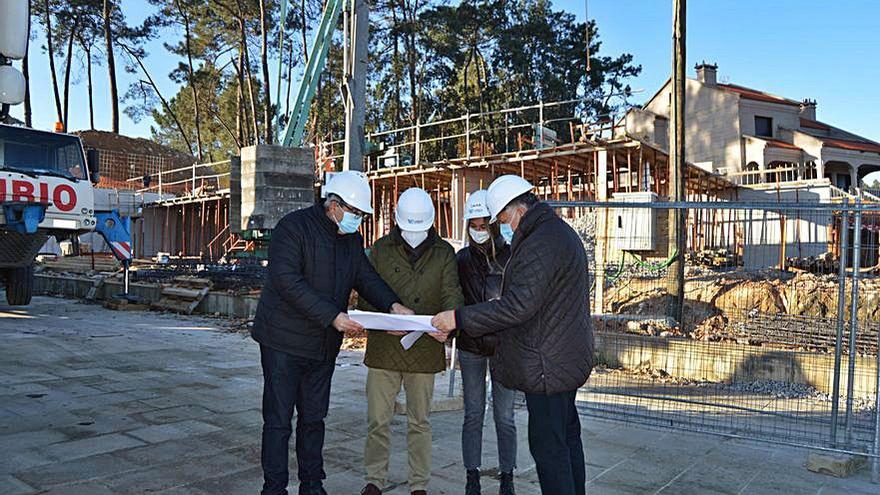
(414, 238)
(479, 236)
(507, 232)
(350, 223)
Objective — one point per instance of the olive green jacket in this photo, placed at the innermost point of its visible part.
(427, 287)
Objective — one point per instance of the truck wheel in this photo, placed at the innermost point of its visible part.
(19, 285)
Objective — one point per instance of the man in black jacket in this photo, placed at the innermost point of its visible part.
(545, 345)
(316, 258)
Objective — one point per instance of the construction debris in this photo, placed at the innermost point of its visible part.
(183, 295)
(713, 258)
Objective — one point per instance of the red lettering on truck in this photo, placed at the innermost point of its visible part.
(63, 196)
(59, 202)
(22, 191)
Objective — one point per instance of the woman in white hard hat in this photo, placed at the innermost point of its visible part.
(480, 268)
(542, 319)
(316, 258)
(420, 267)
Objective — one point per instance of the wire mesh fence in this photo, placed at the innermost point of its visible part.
(779, 334)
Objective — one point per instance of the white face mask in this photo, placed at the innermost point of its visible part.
(479, 236)
(414, 238)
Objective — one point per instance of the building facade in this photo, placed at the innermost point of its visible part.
(755, 138)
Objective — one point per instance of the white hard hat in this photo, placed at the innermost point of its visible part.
(352, 187)
(475, 207)
(503, 190)
(415, 210)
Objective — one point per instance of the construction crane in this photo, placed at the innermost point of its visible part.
(356, 37)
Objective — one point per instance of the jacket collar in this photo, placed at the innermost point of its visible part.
(321, 216)
(539, 213)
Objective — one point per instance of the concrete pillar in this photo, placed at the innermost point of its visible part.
(853, 176)
(235, 195)
(602, 219)
(274, 182)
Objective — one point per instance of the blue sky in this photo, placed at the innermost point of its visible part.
(816, 49)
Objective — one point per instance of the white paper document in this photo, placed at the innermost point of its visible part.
(386, 321)
(417, 325)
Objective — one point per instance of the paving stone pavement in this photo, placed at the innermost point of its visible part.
(94, 401)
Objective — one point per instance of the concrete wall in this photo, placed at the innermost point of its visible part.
(274, 181)
(787, 116)
(728, 362)
(806, 233)
(215, 303)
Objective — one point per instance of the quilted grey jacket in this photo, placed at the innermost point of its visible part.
(542, 319)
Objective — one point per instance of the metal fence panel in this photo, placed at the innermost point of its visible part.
(780, 333)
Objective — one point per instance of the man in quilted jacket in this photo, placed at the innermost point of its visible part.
(420, 267)
(542, 320)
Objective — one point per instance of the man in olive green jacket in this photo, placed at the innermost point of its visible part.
(421, 268)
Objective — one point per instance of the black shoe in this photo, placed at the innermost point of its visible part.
(473, 482)
(506, 484)
(311, 488)
(371, 489)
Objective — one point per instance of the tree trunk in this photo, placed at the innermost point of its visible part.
(264, 61)
(111, 67)
(289, 80)
(243, 46)
(239, 103)
(67, 71)
(192, 81)
(90, 87)
(302, 22)
(50, 48)
(28, 114)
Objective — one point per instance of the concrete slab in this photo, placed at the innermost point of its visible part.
(171, 404)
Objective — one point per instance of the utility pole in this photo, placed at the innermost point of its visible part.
(356, 85)
(677, 217)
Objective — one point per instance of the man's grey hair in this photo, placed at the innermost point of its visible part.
(331, 198)
(526, 200)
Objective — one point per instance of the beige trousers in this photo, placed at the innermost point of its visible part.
(382, 389)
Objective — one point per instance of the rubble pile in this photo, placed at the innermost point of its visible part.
(766, 306)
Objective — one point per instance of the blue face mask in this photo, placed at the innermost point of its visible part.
(350, 223)
(507, 233)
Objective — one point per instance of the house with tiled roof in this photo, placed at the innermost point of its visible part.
(755, 138)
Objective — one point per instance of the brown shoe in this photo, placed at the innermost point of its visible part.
(371, 489)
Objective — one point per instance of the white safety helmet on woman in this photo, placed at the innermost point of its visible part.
(353, 188)
(475, 207)
(503, 190)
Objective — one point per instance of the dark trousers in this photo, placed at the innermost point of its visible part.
(288, 382)
(555, 443)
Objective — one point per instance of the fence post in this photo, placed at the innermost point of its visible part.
(854, 317)
(841, 307)
(193, 189)
(160, 183)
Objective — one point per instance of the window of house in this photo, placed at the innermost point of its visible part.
(763, 126)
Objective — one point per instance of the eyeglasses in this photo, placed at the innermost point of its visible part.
(350, 209)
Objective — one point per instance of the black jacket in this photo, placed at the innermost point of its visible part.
(480, 278)
(312, 270)
(545, 343)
